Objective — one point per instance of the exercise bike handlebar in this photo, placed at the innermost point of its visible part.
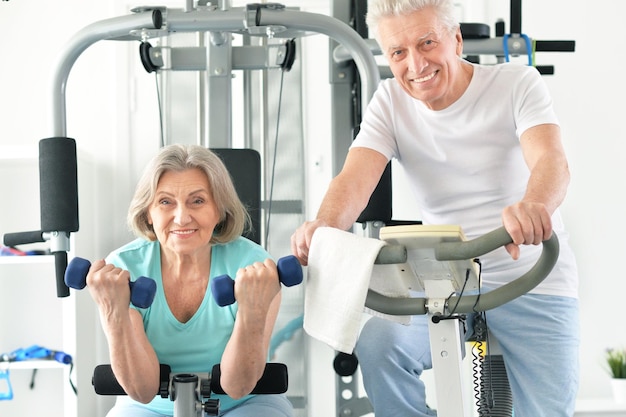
(451, 251)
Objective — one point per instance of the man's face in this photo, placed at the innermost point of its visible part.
(424, 57)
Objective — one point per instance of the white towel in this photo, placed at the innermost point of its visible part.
(340, 271)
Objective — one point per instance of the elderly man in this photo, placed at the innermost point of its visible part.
(481, 147)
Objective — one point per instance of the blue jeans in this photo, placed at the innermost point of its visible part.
(539, 338)
(257, 406)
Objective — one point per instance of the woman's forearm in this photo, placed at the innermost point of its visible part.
(245, 356)
(133, 361)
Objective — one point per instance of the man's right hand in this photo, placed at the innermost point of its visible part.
(301, 240)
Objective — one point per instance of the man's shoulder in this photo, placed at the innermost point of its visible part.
(499, 78)
(505, 70)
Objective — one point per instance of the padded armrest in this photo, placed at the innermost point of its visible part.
(105, 382)
(273, 381)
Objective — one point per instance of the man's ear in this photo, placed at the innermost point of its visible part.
(459, 42)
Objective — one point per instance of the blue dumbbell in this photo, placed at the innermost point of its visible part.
(289, 274)
(142, 290)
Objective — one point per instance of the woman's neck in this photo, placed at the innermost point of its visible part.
(186, 266)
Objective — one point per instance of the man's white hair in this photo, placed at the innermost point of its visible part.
(379, 9)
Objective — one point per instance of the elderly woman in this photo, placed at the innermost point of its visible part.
(189, 221)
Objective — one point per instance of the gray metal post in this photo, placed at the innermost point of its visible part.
(217, 95)
(184, 395)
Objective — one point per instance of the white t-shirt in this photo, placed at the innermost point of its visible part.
(465, 164)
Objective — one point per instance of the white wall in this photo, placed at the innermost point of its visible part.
(587, 88)
(31, 37)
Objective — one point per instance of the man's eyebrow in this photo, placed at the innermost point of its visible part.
(427, 35)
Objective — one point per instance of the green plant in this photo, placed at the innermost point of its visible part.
(616, 360)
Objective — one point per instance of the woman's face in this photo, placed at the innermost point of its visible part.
(183, 213)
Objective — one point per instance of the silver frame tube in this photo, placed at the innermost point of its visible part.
(141, 24)
(105, 29)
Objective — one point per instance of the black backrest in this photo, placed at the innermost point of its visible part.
(244, 166)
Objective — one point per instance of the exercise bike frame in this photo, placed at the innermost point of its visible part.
(446, 336)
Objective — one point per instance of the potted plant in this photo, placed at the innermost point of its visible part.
(616, 361)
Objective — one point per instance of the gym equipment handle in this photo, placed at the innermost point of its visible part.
(22, 238)
(142, 291)
(453, 251)
(289, 274)
(60, 255)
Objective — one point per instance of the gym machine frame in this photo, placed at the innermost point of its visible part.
(57, 154)
(143, 23)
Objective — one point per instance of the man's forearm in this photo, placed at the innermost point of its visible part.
(548, 182)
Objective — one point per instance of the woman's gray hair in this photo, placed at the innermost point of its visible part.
(234, 218)
(379, 9)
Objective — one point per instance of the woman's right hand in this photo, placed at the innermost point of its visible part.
(109, 287)
(133, 360)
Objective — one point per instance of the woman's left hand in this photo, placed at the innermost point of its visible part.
(257, 291)
(256, 286)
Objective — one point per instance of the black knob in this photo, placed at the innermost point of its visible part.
(345, 364)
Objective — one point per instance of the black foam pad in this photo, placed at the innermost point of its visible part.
(22, 238)
(58, 184)
(105, 382)
(273, 381)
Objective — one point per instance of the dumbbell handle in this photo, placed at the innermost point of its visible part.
(289, 274)
(142, 291)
